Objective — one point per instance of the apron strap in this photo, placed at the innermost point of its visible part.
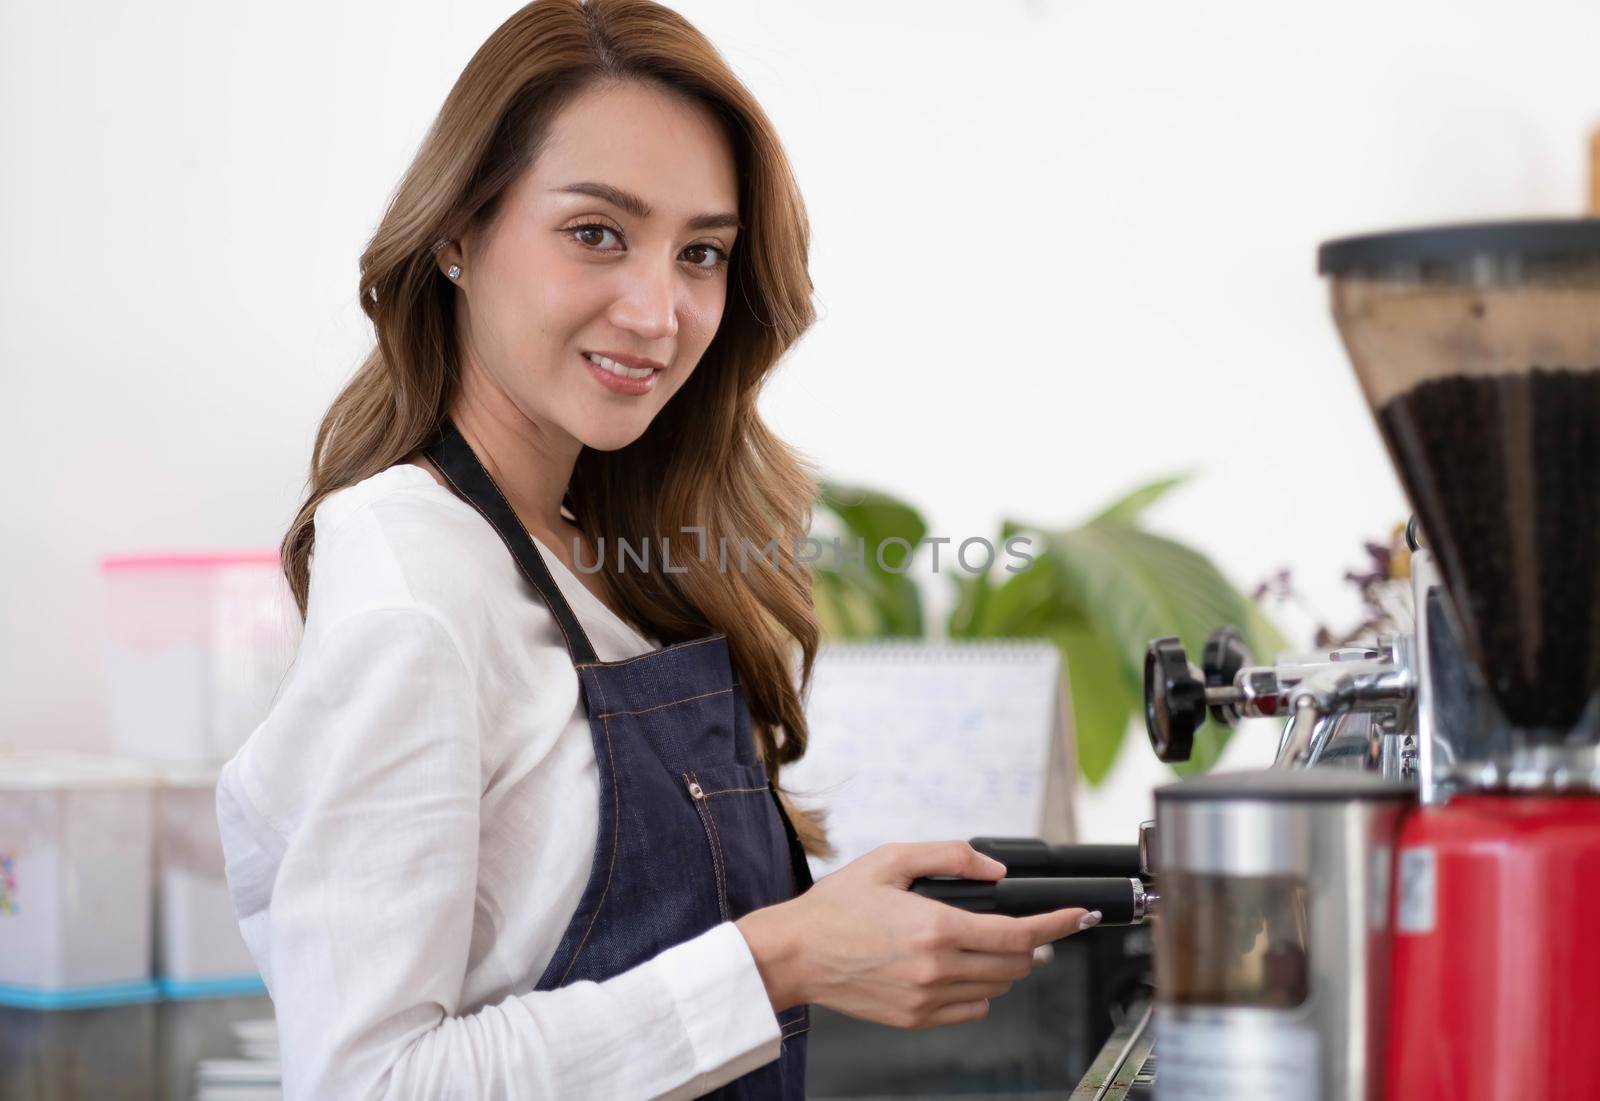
(450, 452)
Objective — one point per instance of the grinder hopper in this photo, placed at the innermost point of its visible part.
(1478, 348)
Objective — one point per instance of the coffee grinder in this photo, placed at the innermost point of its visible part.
(1478, 349)
(1400, 907)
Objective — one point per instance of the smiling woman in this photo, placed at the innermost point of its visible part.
(581, 179)
(572, 271)
(508, 831)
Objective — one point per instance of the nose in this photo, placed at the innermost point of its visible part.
(648, 304)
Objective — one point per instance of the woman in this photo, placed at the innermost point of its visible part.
(512, 827)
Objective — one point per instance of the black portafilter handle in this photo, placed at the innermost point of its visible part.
(1121, 900)
(1030, 857)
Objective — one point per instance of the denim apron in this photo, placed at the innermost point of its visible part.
(691, 832)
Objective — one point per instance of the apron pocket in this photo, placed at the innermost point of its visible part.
(749, 849)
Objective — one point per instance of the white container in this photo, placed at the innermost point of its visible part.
(199, 950)
(75, 881)
(197, 647)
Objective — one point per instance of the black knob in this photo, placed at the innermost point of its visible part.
(1224, 656)
(1174, 700)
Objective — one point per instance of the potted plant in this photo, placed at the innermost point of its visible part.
(1100, 591)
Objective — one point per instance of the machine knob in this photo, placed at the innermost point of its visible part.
(1174, 700)
(1225, 655)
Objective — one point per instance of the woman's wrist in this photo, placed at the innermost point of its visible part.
(777, 945)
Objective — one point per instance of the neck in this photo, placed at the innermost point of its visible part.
(531, 463)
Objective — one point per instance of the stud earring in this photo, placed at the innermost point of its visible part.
(455, 271)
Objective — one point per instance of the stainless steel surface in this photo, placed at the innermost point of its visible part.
(1377, 682)
(1546, 769)
(1424, 578)
(1121, 1067)
(1337, 689)
(1141, 901)
(1340, 850)
(1463, 741)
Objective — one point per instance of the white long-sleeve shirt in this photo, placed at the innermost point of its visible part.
(409, 831)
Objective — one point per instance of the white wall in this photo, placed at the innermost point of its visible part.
(1060, 248)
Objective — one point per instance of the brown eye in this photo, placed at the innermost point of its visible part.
(592, 235)
(713, 253)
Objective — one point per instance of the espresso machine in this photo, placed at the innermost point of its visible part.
(1400, 907)
(1451, 960)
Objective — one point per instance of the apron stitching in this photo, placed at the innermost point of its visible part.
(616, 827)
(731, 791)
(722, 868)
(791, 1033)
(669, 703)
(653, 653)
(507, 540)
(715, 840)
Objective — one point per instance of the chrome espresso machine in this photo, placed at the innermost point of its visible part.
(1400, 909)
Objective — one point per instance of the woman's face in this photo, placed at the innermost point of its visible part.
(615, 241)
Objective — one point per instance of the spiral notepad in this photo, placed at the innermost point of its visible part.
(928, 742)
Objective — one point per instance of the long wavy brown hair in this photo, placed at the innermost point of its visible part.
(707, 459)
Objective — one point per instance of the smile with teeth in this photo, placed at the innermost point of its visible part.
(616, 368)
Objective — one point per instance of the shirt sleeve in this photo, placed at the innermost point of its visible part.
(367, 923)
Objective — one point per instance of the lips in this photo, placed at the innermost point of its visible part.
(632, 362)
(622, 381)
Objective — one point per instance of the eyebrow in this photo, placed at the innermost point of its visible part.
(627, 200)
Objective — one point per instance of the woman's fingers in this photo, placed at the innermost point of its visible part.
(989, 966)
(957, 992)
(949, 1001)
(871, 949)
(957, 1013)
(908, 861)
(998, 933)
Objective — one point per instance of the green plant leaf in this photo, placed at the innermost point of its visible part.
(1137, 586)
(1101, 592)
(875, 518)
(973, 592)
(1209, 742)
(1026, 605)
(1102, 698)
(847, 607)
(1127, 509)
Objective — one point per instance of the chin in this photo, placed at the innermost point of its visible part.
(611, 437)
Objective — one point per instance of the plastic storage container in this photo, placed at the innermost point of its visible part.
(75, 877)
(199, 951)
(197, 646)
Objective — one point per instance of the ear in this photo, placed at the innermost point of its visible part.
(447, 254)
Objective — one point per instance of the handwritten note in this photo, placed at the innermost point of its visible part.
(914, 742)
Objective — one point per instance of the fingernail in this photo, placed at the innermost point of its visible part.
(999, 867)
(1089, 920)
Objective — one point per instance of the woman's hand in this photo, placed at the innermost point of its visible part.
(859, 942)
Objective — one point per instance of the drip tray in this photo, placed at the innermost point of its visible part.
(1125, 1068)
